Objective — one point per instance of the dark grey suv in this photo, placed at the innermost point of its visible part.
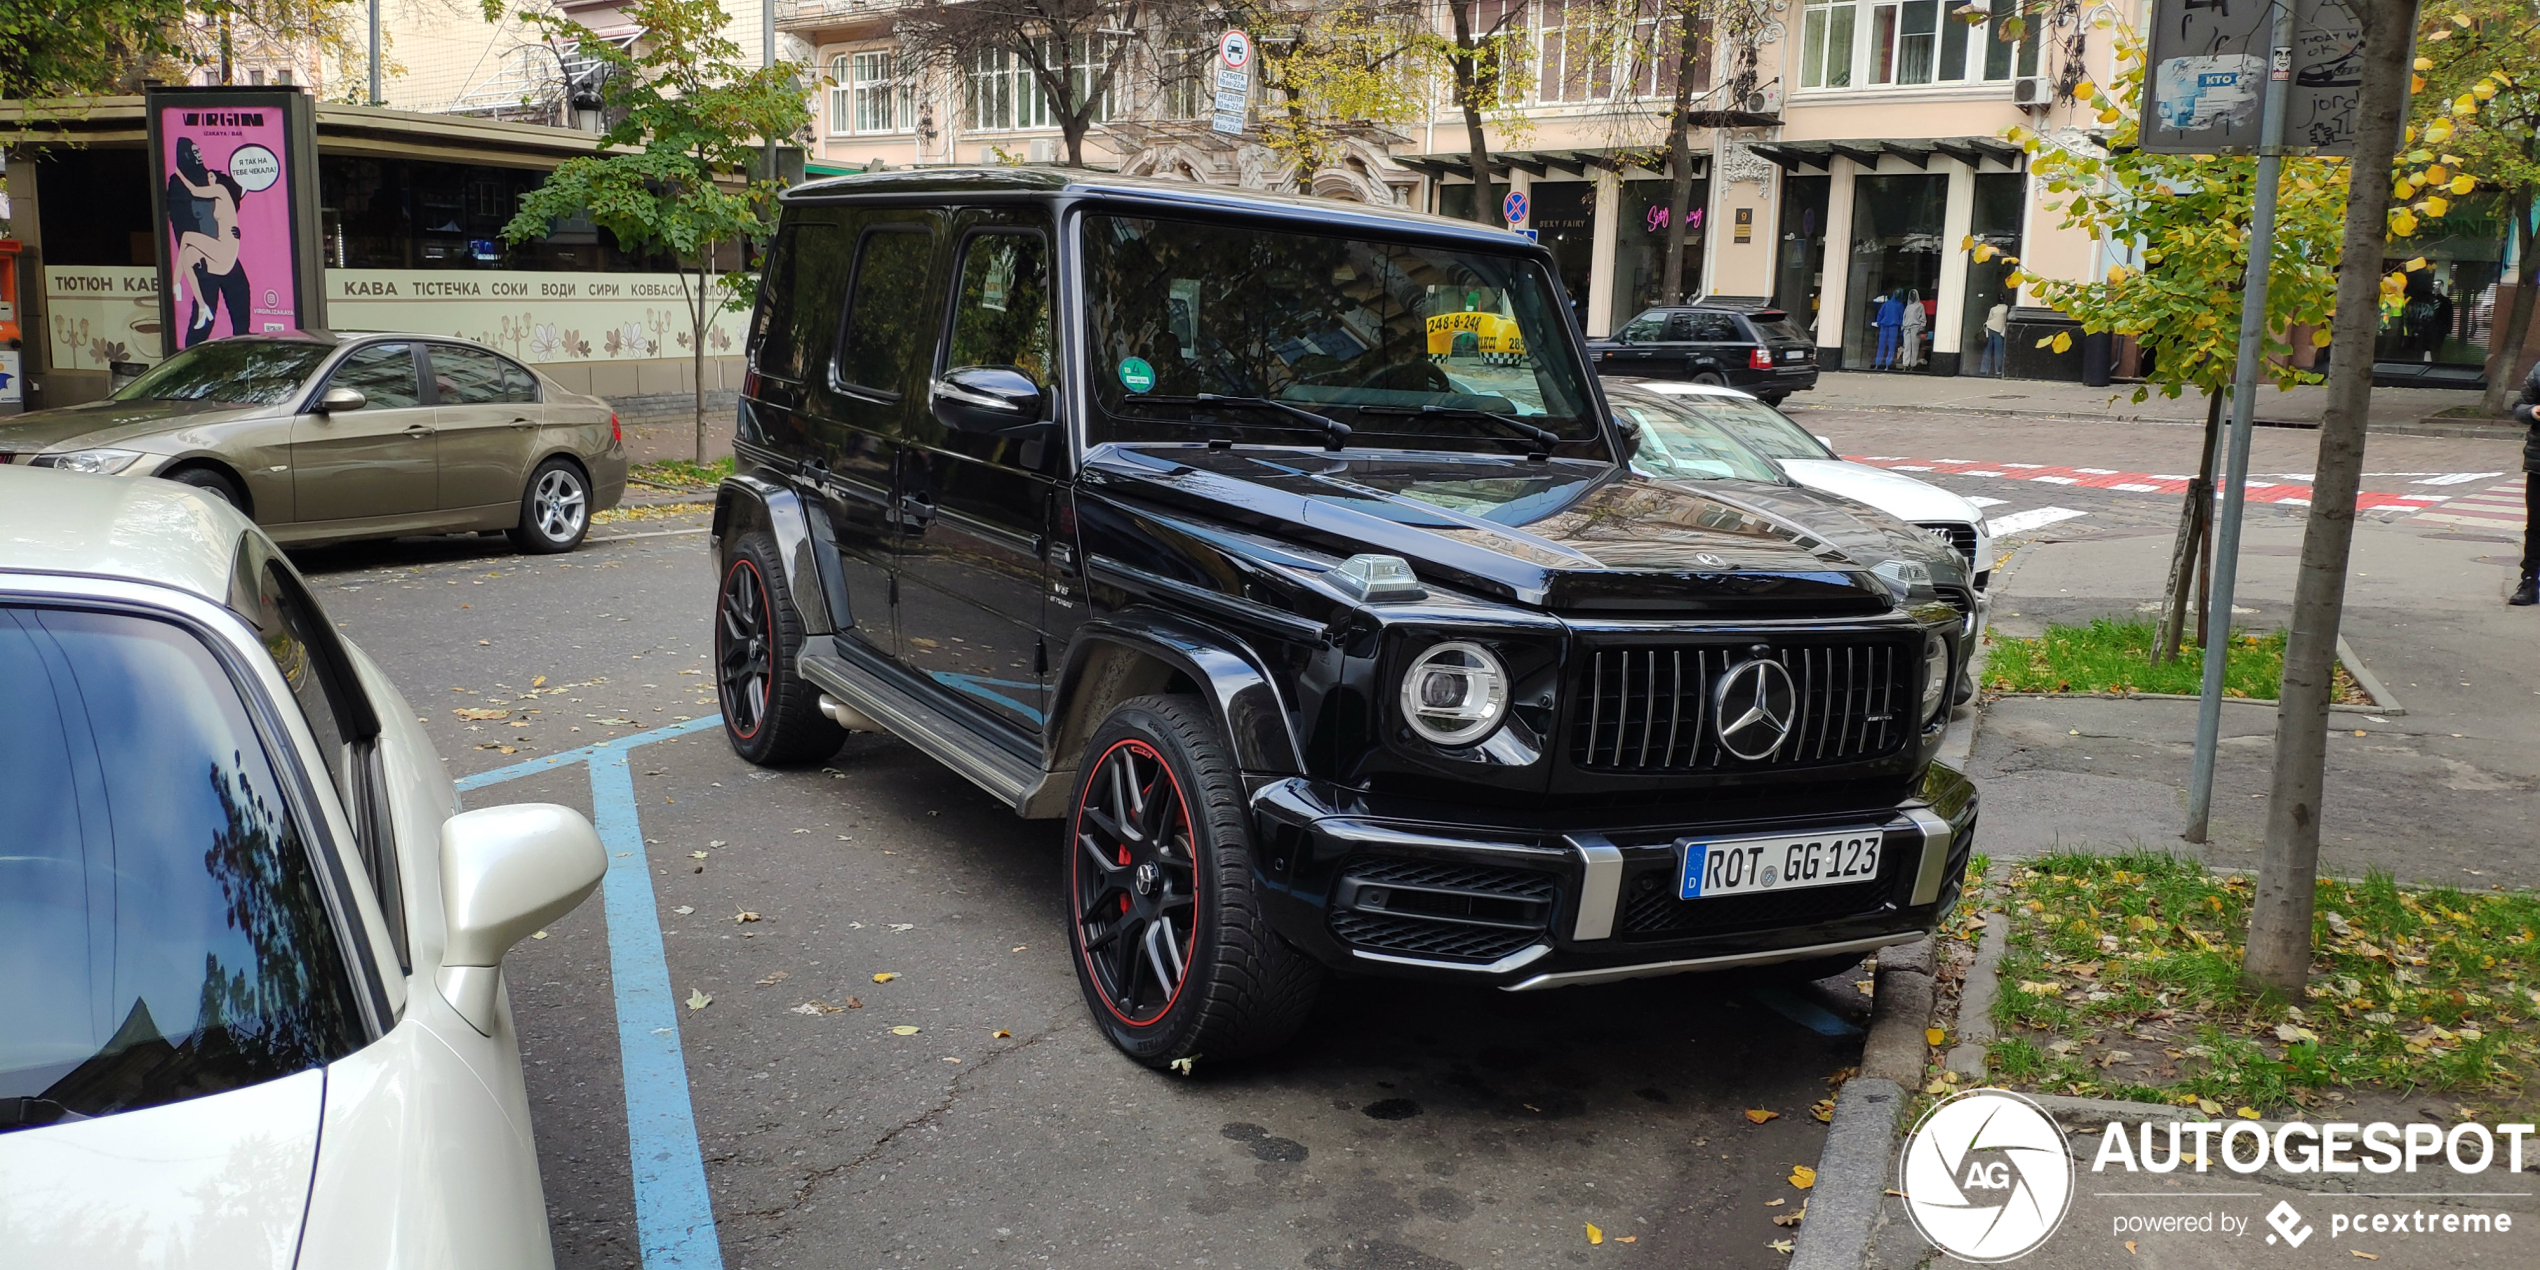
(1148, 508)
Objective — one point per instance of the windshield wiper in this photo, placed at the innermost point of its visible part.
(1335, 432)
(1543, 438)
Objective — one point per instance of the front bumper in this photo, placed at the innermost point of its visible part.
(1521, 904)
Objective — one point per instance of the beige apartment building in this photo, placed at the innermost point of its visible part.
(1853, 164)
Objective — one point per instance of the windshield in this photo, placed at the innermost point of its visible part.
(1679, 443)
(162, 936)
(245, 372)
(1757, 426)
(1406, 345)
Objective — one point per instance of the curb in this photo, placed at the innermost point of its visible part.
(1851, 1190)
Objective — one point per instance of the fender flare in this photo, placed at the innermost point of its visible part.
(1228, 674)
(743, 502)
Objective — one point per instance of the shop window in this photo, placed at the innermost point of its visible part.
(1995, 222)
(1895, 260)
(1802, 244)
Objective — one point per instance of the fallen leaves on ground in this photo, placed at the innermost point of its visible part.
(684, 909)
(1595, 1236)
(1781, 1246)
(1001, 1034)
(1823, 1110)
(746, 915)
(1802, 1176)
(698, 1000)
(905, 1029)
(2129, 1247)
(886, 976)
(481, 713)
(1934, 1036)
(774, 978)
(817, 1007)
(1758, 1115)
(1789, 1219)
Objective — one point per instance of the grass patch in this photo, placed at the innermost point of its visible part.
(2110, 655)
(682, 474)
(2122, 979)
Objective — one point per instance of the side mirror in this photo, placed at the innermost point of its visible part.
(1631, 437)
(506, 872)
(1824, 440)
(996, 399)
(342, 398)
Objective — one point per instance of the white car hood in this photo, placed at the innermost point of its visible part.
(1898, 495)
(213, 1183)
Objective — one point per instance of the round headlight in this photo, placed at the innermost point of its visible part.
(1455, 694)
(1935, 674)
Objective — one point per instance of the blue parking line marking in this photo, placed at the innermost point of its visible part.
(674, 1215)
(1808, 1014)
(551, 762)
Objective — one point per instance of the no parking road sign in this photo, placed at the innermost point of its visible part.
(1513, 208)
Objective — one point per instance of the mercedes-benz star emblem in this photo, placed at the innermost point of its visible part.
(1706, 558)
(1148, 878)
(1754, 703)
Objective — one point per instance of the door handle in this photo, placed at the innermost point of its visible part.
(523, 424)
(419, 430)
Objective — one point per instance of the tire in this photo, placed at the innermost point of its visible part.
(211, 483)
(1773, 399)
(1241, 989)
(555, 509)
(1711, 377)
(770, 715)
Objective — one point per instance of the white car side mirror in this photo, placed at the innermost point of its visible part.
(1824, 440)
(506, 872)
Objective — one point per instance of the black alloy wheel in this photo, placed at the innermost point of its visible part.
(1137, 907)
(770, 715)
(1165, 923)
(1711, 377)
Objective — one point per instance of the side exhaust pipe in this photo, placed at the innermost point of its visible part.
(846, 716)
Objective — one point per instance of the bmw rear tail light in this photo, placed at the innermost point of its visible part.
(617, 434)
(1759, 358)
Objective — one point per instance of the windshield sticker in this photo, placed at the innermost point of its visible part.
(1136, 375)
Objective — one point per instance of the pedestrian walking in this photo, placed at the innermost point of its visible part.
(1909, 344)
(2527, 413)
(1890, 319)
(1997, 325)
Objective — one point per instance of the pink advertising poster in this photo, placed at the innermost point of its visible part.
(228, 212)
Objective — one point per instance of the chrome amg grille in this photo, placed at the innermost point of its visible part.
(1650, 709)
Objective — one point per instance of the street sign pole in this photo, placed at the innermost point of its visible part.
(2244, 405)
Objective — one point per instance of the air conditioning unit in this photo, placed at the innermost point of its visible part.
(1045, 150)
(2033, 92)
(1766, 100)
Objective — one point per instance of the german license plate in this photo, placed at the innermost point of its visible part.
(1744, 866)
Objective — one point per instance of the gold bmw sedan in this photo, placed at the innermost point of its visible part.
(324, 437)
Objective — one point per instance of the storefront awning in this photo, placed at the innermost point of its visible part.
(1793, 156)
(815, 171)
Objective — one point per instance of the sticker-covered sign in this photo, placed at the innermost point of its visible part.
(2206, 78)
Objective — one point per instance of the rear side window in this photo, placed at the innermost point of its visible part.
(800, 299)
(1779, 331)
(881, 330)
(1642, 329)
(1001, 311)
(1715, 328)
(474, 376)
(162, 931)
(384, 372)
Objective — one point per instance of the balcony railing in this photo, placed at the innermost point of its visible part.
(811, 15)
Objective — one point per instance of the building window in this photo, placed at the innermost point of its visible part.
(1003, 94)
(1567, 63)
(1885, 43)
(866, 94)
(1191, 90)
(1825, 49)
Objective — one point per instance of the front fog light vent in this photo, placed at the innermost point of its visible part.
(1455, 694)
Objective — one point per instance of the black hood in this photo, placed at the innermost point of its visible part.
(1564, 536)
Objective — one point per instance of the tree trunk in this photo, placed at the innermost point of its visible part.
(1680, 165)
(2504, 353)
(2278, 960)
(1467, 70)
(2187, 551)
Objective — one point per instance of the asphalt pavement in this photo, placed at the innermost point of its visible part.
(1411, 1128)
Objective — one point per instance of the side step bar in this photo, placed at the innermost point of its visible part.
(1003, 773)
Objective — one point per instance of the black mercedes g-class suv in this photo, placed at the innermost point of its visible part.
(1179, 514)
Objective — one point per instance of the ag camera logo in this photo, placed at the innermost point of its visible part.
(1987, 1176)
